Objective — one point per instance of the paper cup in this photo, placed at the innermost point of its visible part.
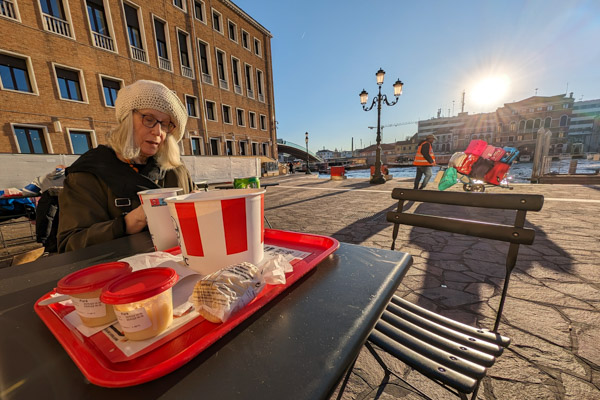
(159, 219)
(219, 228)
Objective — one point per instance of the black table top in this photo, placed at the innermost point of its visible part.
(296, 347)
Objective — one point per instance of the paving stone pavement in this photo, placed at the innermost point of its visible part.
(552, 313)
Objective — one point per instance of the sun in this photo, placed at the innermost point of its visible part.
(490, 90)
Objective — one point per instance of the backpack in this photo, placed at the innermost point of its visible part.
(480, 168)
(448, 179)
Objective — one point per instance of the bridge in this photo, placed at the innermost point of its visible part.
(297, 151)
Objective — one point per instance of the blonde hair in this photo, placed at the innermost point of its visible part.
(122, 141)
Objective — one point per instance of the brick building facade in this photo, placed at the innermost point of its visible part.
(62, 63)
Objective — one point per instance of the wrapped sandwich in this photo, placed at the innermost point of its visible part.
(220, 294)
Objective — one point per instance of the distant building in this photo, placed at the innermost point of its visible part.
(325, 154)
(62, 64)
(515, 124)
(584, 126)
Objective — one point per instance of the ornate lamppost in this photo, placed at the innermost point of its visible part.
(377, 177)
(306, 140)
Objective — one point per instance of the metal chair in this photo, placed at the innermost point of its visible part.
(451, 353)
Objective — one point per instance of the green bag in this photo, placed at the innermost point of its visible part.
(449, 179)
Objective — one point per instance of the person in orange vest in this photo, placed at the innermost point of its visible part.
(424, 160)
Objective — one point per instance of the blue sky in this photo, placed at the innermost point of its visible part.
(325, 52)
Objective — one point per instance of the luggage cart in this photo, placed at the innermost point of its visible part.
(476, 185)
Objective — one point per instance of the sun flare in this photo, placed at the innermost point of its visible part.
(490, 89)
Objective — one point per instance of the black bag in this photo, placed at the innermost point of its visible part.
(480, 168)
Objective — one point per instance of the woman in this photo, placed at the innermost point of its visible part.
(99, 201)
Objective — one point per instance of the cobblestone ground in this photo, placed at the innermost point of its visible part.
(552, 313)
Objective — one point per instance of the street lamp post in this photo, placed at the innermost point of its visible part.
(306, 140)
(377, 177)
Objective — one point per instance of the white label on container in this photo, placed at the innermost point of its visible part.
(89, 308)
(134, 320)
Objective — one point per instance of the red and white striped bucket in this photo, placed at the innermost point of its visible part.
(219, 228)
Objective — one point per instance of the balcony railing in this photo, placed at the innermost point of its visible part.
(164, 63)
(250, 93)
(57, 25)
(138, 54)
(223, 84)
(103, 41)
(7, 9)
(206, 78)
(261, 97)
(238, 89)
(187, 72)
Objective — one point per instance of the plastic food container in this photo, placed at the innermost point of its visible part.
(84, 288)
(143, 301)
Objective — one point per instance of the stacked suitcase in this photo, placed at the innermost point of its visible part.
(484, 162)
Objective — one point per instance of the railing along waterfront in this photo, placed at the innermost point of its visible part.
(7, 9)
(138, 54)
(57, 25)
(164, 63)
(103, 41)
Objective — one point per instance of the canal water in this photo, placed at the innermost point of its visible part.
(518, 173)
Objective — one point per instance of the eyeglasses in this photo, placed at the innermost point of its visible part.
(150, 122)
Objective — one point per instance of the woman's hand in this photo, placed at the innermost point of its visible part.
(135, 221)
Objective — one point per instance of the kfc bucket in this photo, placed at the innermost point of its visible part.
(219, 228)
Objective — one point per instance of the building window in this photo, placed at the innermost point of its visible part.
(249, 90)
(186, 64)
(529, 125)
(110, 89)
(204, 63)
(259, 85)
(161, 45)
(245, 40)
(240, 117)
(221, 70)
(563, 120)
(513, 126)
(547, 122)
(255, 149)
(54, 17)
(235, 68)
(252, 119)
(232, 28)
(537, 123)
(8, 9)
(214, 146)
(210, 111)
(199, 11)
(263, 122)
(14, 74)
(257, 48)
(243, 150)
(565, 105)
(30, 140)
(226, 114)
(99, 25)
(180, 4)
(229, 147)
(192, 106)
(217, 22)
(134, 33)
(521, 125)
(68, 84)
(196, 146)
(80, 141)
(549, 108)
(265, 149)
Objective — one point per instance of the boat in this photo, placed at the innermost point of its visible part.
(524, 158)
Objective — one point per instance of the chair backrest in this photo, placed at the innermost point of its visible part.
(515, 234)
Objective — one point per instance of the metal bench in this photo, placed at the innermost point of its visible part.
(450, 353)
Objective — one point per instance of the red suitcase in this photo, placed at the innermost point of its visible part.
(476, 147)
(488, 152)
(498, 154)
(467, 163)
(497, 173)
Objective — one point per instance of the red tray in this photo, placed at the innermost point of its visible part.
(189, 340)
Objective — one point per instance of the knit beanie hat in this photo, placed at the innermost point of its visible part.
(153, 95)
